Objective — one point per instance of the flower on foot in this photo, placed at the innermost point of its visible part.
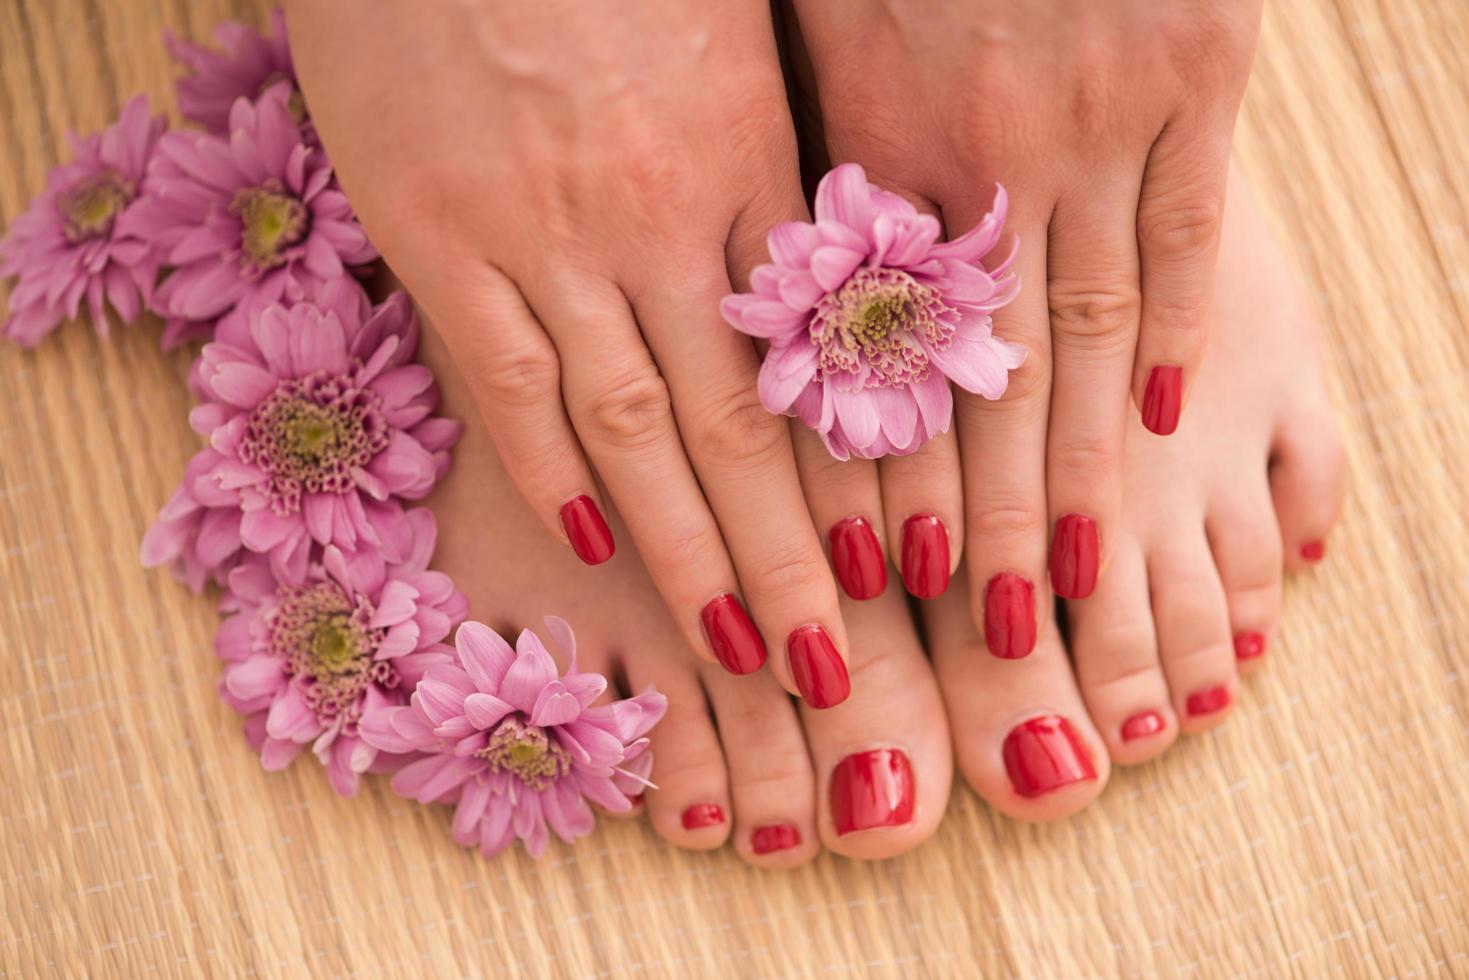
(516, 746)
(869, 317)
(246, 66)
(72, 243)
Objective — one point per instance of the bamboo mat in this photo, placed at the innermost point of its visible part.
(1321, 831)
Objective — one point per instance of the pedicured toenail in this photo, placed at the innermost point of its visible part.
(1044, 754)
(1009, 616)
(820, 672)
(702, 815)
(1313, 551)
(1248, 646)
(1208, 702)
(925, 556)
(1076, 555)
(871, 789)
(774, 837)
(857, 559)
(1163, 399)
(587, 531)
(1142, 725)
(732, 635)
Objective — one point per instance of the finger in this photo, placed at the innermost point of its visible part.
(923, 503)
(846, 504)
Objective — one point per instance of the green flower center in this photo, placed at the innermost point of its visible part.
(89, 208)
(271, 221)
(525, 752)
(880, 317)
(327, 646)
(876, 325)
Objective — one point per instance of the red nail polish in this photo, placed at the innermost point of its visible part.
(871, 789)
(732, 635)
(857, 558)
(1163, 399)
(1142, 724)
(925, 556)
(702, 815)
(588, 532)
(1248, 646)
(1208, 702)
(1045, 754)
(1076, 555)
(774, 837)
(1313, 551)
(1009, 616)
(821, 674)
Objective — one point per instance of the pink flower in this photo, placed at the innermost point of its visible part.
(71, 243)
(249, 64)
(307, 657)
(516, 747)
(869, 317)
(252, 218)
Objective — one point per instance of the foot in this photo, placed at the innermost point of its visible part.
(1250, 485)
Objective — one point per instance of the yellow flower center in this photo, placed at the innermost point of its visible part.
(89, 208)
(271, 221)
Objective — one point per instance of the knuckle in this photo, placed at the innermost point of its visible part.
(635, 414)
(1086, 459)
(788, 570)
(1185, 233)
(521, 373)
(738, 430)
(1097, 313)
(1014, 521)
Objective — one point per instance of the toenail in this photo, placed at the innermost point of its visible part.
(1163, 399)
(1248, 646)
(1208, 702)
(774, 837)
(1076, 552)
(732, 635)
(1045, 754)
(820, 672)
(1313, 551)
(586, 530)
(857, 558)
(925, 556)
(1142, 724)
(871, 789)
(702, 815)
(1009, 616)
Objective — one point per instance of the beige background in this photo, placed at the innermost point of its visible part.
(1322, 830)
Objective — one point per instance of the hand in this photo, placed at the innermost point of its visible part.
(567, 194)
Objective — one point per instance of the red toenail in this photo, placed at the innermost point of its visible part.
(1076, 552)
(586, 530)
(1142, 724)
(857, 558)
(1045, 754)
(820, 672)
(702, 815)
(775, 837)
(871, 789)
(925, 556)
(731, 635)
(1313, 551)
(1163, 399)
(1208, 702)
(1009, 616)
(1248, 646)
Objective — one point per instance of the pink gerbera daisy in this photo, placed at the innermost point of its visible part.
(307, 657)
(71, 244)
(247, 64)
(870, 316)
(514, 744)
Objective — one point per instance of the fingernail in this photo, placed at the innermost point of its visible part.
(1208, 702)
(1045, 754)
(1248, 646)
(588, 532)
(925, 556)
(1009, 616)
(774, 837)
(1163, 399)
(820, 672)
(857, 558)
(1142, 724)
(1076, 552)
(1313, 551)
(871, 789)
(732, 635)
(702, 815)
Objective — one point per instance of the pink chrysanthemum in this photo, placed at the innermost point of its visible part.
(247, 65)
(251, 218)
(516, 747)
(72, 244)
(870, 316)
(307, 657)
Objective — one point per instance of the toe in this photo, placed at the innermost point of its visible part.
(1307, 482)
(1192, 621)
(1247, 553)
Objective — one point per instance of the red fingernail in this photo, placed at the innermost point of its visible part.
(1045, 754)
(820, 672)
(588, 532)
(1208, 702)
(732, 635)
(925, 556)
(871, 789)
(774, 837)
(1163, 399)
(1248, 646)
(1142, 724)
(857, 558)
(1313, 551)
(1076, 554)
(702, 815)
(1009, 616)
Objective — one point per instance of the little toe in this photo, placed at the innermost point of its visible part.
(1192, 620)
(1307, 482)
